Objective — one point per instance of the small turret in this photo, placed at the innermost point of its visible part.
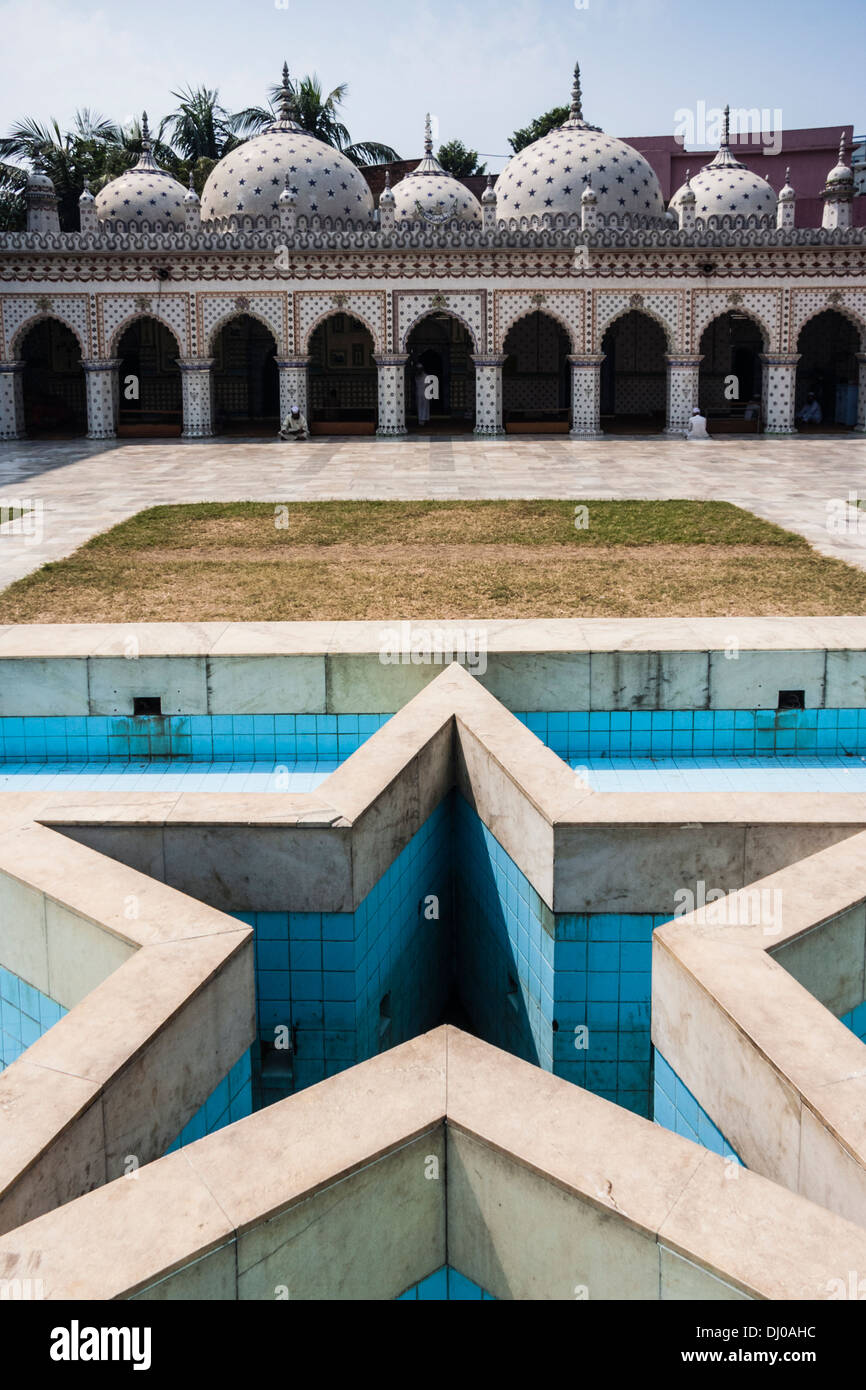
(88, 221)
(786, 206)
(387, 204)
(489, 203)
(42, 214)
(686, 205)
(192, 207)
(588, 208)
(288, 203)
(838, 192)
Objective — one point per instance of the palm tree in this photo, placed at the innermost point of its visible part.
(93, 149)
(200, 128)
(318, 115)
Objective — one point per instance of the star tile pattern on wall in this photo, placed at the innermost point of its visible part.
(248, 181)
(550, 175)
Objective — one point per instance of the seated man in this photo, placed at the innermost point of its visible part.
(295, 425)
(697, 426)
(811, 412)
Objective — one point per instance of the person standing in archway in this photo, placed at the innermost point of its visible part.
(422, 400)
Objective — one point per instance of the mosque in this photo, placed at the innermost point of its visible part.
(566, 299)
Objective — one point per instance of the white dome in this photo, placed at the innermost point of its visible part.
(550, 175)
(725, 186)
(145, 193)
(431, 194)
(248, 181)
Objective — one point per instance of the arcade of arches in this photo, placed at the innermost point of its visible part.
(534, 384)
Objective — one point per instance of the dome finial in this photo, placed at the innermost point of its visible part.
(726, 134)
(145, 132)
(842, 147)
(576, 96)
(428, 136)
(286, 98)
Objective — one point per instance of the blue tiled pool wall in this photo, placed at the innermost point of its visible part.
(230, 1100)
(603, 996)
(855, 1019)
(504, 944)
(446, 1285)
(342, 987)
(289, 738)
(201, 738)
(25, 1014)
(675, 1108)
(700, 733)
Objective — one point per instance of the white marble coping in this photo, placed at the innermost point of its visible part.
(778, 1073)
(658, 1195)
(572, 635)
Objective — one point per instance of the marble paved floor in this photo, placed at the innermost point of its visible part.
(81, 488)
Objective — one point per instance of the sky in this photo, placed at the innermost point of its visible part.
(482, 68)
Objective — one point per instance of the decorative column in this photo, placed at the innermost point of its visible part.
(102, 384)
(196, 384)
(392, 394)
(488, 395)
(682, 389)
(586, 394)
(293, 385)
(860, 426)
(778, 390)
(12, 400)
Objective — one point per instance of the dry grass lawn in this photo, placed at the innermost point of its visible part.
(353, 560)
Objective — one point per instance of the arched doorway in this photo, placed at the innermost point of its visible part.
(536, 380)
(634, 376)
(828, 367)
(246, 383)
(149, 399)
(343, 381)
(729, 387)
(442, 347)
(55, 397)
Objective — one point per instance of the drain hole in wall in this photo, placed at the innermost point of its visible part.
(792, 699)
(146, 704)
(513, 993)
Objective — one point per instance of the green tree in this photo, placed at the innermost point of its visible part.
(458, 161)
(200, 127)
(93, 149)
(319, 115)
(542, 125)
(13, 210)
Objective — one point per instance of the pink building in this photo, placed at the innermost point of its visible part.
(807, 153)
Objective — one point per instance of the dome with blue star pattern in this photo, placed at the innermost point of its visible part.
(430, 194)
(550, 175)
(726, 187)
(144, 193)
(248, 181)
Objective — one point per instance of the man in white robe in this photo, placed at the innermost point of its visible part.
(697, 426)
